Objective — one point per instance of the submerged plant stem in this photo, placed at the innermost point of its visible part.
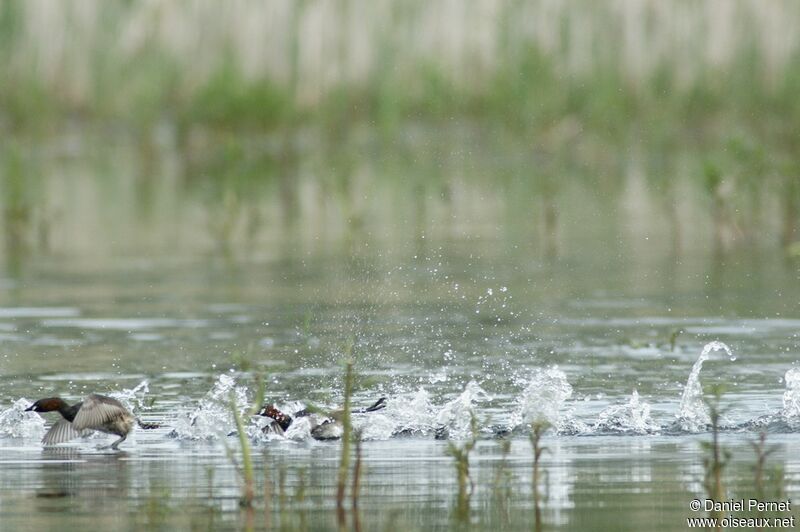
(537, 430)
(344, 462)
(248, 489)
(461, 458)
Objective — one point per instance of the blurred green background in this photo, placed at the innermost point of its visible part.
(634, 126)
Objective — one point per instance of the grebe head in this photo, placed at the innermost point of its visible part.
(47, 405)
(283, 420)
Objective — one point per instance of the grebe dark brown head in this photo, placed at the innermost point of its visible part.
(48, 405)
(95, 412)
(284, 421)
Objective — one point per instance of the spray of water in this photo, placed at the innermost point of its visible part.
(693, 414)
(133, 398)
(16, 423)
(212, 417)
(456, 416)
(791, 396)
(632, 417)
(542, 400)
(410, 414)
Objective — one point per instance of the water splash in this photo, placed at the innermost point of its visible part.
(299, 430)
(543, 399)
(693, 414)
(212, 418)
(408, 414)
(791, 397)
(454, 418)
(632, 417)
(133, 398)
(16, 423)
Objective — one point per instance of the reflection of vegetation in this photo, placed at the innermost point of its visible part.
(537, 430)
(305, 491)
(717, 457)
(344, 461)
(227, 102)
(502, 485)
(17, 201)
(763, 451)
(24, 216)
(546, 111)
(460, 456)
(355, 490)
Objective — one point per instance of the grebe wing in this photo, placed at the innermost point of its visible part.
(98, 410)
(61, 432)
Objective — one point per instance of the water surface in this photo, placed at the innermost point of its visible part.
(474, 325)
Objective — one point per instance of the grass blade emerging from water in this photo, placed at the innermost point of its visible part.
(344, 462)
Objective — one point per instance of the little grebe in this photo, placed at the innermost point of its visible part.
(322, 427)
(95, 412)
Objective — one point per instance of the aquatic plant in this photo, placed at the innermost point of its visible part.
(356, 487)
(460, 456)
(21, 202)
(768, 484)
(763, 451)
(538, 428)
(344, 460)
(246, 472)
(355, 490)
(673, 338)
(212, 509)
(717, 457)
(502, 482)
(156, 507)
(267, 496)
(300, 497)
(282, 497)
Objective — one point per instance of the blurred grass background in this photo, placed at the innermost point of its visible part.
(133, 126)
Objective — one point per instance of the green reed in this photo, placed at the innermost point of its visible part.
(537, 430)
(246, 471)
(466, 486)
(502, 485)
(344, 460)
(717, 457)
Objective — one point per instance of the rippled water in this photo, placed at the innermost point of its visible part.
(583, 342)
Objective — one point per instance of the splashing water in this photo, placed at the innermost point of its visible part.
(407, 413)
(455, 417)
(542, 399)
(693, 415)
(791, 397)
(299, 430)
(212, 418)
(133, 398)
(16, 423)
(632, 417)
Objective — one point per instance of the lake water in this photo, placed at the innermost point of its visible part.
(440, 328)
